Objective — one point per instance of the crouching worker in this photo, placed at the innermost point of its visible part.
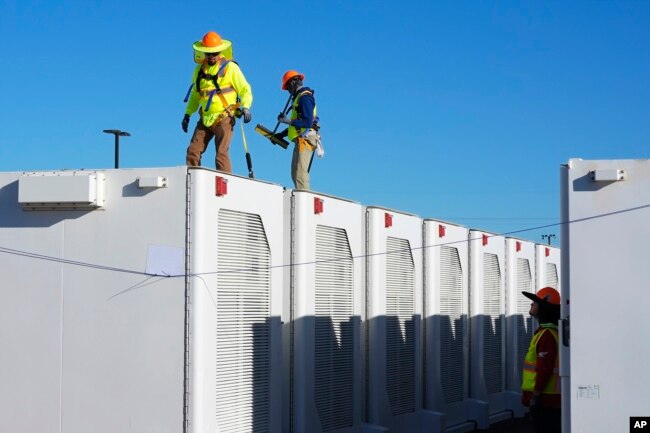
(303, 128)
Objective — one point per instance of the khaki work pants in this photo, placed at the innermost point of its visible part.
(222, 132)
(300, 163)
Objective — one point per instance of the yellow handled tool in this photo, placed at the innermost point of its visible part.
(261, 129)
(266, 132)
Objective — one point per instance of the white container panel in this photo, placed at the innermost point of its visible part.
(487, 316)
(120, 322)
(327, 294)
(605, 274)
(446, 306)
(395, 265)
(108, 320)
(548, 267)
(520, 276)
(236, 264)
(30, 315)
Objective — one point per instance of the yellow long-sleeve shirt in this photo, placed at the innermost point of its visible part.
(233, 85)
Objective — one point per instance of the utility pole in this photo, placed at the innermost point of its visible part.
(549, 237)
(117, 134)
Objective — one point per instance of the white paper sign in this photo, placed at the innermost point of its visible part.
(588, 392)
(165, 261)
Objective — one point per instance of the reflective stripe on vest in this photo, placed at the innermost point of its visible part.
(529, 373)
(206, 93)
(293, 132)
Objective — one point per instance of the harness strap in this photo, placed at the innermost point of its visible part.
(220, 73)
(224, 90)
(304, 92)
(315, 124)
(187, 95)
(227, 112)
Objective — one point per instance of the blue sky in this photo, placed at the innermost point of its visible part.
(461, 111)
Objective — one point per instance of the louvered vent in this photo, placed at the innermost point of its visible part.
(243, 324)
(551, 275)
(334, 340)
(400, 327)
(492, 331)
(523, 319)
(452, 327)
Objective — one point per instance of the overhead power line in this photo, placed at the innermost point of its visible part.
(37, 256)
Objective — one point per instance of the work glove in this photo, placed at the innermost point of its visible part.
(247, 115)
(185, 122)
(283, 118)
(278, 139)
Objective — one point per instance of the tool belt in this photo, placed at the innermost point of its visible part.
(304, 144)
(229, 111)
(307, 141)
(226, 113)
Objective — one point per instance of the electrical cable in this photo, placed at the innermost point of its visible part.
(15, 252)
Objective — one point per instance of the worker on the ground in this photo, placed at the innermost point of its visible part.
(220, 92)
(303, 127)
(540, 381)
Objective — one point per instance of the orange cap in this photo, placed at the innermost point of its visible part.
(288, 76)
(211, 39)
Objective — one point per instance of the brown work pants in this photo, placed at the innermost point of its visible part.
(222, 132)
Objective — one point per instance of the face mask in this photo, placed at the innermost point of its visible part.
(293, 86)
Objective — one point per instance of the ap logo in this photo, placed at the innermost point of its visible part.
(640, 424)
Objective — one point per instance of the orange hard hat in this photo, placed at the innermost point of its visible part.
(547, 295)
(288, 76)
(211, 43)
(211, 39)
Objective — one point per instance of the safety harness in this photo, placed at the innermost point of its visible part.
(299, 114)
(221, 72)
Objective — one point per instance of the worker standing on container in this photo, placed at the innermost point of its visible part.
(540, 381)
(303, 127)
(220, 92)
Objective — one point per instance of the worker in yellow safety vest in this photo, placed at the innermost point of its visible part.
(540, 379)
(303, 127)
(220, 92)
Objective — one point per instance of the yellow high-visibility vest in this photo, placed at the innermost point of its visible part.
(202, 93)
(530, 364)
(293, 132)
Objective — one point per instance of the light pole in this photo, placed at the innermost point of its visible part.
(117, 134)
(549, 237)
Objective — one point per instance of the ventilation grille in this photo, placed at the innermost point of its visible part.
(452, 327)
(524, 321)
(551, 275)
(334, 340)
(492, 331)
(400, 327)
(243, 324)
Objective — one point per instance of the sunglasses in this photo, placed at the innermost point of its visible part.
(211, 54)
